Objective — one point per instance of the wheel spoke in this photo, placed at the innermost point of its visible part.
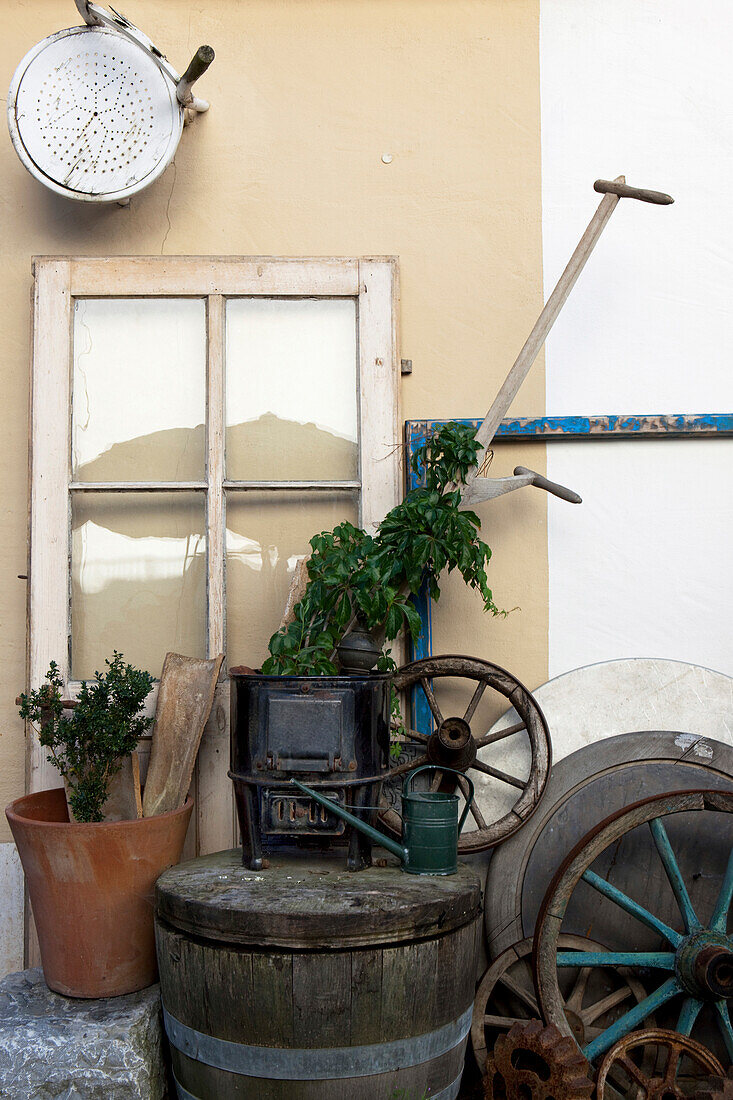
(658, 960)
(724, 1026)
(500, 1021)
(474, 810)
(719, 921)
(400, 769)
(432, 701)
(600, 1008)
(626, 903)
(437, 780)
(475, 700)
(633, 1072)
(630, 1019)
(415, 735)
(575, 1000)
(503, 777)
(688, 1014)
(673, 873)
(673, 1063)
(492, 738)
(522, 994)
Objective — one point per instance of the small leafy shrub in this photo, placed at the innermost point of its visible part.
(370, 577)
(87, 747)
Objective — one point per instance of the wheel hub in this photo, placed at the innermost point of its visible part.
(704, 965)
(452, 744)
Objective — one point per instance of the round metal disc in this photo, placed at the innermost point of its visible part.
(583, 788)
(587, 704)
(92, 115)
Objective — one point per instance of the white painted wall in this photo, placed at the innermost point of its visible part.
(646, 89)
(11, 923)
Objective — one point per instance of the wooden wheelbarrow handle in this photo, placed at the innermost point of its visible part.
(614, 187)
(541, 482)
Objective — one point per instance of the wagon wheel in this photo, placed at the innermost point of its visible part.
(591, 1001)
(695, 963)
(667, 1080)
(453, 744)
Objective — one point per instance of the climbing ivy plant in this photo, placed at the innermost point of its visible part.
(353, 575)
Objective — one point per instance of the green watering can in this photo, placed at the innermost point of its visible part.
(430, 826)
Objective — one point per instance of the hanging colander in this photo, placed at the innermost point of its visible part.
(96, 112)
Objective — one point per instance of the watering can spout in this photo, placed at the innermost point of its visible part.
(374, 834)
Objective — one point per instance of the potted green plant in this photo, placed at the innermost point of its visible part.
(91, 881)
(356, 577)
(300, 714)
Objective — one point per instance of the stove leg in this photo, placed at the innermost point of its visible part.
(360, 846)
(249, 824)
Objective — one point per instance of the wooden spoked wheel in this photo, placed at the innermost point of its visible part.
(506, 996)
(452, 744)
(691, 964)
(676, 1060)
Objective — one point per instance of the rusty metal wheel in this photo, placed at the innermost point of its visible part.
(505, 996)
(678, 1064)
(452, 744)
(694, 959)
(534, 1062)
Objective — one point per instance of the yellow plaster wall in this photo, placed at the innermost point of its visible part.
(307, 95)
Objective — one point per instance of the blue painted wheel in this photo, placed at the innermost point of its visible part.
(692, 969)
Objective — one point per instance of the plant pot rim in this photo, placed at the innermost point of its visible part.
(13, 815)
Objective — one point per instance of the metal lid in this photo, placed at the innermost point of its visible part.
(312, 902)
(92, 115)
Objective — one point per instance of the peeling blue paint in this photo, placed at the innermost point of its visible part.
(633, 426)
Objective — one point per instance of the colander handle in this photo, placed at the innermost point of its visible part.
(198, 65)
(437, 767)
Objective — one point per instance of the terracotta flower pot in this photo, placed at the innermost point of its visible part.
(91, 888)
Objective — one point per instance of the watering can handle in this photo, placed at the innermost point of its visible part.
(437, 767)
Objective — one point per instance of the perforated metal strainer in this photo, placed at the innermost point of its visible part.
(96, 112)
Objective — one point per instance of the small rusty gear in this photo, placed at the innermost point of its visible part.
(716, 1088)
(536, 1063)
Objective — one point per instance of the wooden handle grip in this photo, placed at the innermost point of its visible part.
(549, 486)
(612, 187)
(198, 65)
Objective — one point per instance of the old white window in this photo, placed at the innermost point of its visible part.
(194, 422)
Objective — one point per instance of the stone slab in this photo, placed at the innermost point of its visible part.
(56, 1048)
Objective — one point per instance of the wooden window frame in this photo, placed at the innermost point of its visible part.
(58, 282)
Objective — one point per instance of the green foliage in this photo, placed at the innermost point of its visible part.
(370, 577)
(88, 746)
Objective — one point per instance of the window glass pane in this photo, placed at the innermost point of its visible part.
(139, 402)
(291, 389)
(138, 578)
(266, 533)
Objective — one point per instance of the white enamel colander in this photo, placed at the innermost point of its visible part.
(96, 112)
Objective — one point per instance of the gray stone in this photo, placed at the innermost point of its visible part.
(58, 1048)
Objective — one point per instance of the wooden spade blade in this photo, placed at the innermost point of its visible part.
(185, 698)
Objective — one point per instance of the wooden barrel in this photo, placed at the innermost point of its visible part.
(308, 981)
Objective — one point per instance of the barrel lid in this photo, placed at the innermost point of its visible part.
(312, 902)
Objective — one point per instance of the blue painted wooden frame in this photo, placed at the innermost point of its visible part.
(546, 429)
